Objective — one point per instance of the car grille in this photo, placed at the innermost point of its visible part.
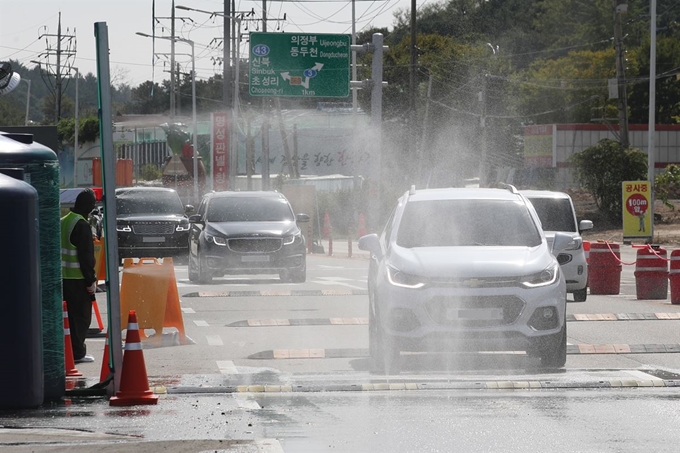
(439, 308)
(255, 245)
(483, 282)
(153, 228)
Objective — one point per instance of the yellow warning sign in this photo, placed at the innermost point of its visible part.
(637, 210)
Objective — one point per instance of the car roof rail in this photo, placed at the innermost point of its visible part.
(509, 187)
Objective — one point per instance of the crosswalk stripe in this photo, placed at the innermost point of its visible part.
(214, 340)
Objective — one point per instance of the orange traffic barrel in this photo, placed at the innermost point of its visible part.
(651, 273)
(674, 277)
(604, 268)
(586, 250)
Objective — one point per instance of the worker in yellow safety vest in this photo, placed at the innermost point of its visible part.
(78, 274)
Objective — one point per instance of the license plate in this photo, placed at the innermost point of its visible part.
(255, 258)
(474, 313)
(153, 239)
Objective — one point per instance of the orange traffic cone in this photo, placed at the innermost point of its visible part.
(105, 361)
(361, 230)
(69, 362)
(134, 383)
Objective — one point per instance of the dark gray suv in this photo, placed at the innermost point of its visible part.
(246, 233)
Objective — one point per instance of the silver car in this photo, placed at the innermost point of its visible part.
(556, 211)
(465, 269)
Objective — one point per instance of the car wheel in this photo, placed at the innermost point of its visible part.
(383, 350)
(193, 274)
(295, 275)
(204, 275)
(581, 295)
(553, 350)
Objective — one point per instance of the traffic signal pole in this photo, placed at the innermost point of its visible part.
(375, 83)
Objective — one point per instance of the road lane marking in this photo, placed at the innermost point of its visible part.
(364, 321)
(201, 323)
(226, 367)
(336, 282)
(214, 340)
(187, 310)
(572, 349)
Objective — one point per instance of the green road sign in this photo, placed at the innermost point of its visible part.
(307, 65)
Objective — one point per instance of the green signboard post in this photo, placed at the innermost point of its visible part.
(307, 65)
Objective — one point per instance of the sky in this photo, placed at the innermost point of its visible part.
(29, 27)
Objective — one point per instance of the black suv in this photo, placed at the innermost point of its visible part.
(151, 223)
(246, 233)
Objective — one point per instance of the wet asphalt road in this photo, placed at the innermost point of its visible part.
(248, 384)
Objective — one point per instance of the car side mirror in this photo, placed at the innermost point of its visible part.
(302, 218)
(585, 225)
(196, 218)
(561, 242)
(371, 243)
(189, 208)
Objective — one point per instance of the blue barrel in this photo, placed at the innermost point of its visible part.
(41, 170)
(21, 335)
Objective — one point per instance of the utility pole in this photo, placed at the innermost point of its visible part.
(172, 62)
(412, 82)
(482, 124)
(226, 55)
(65, 53)
(620, 8)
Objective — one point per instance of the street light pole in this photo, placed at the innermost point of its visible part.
(75, 140)
(193, 103)
(193, 108)
(28, 99)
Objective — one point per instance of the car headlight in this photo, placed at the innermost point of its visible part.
(216, 239)
(182, 227)
(546, 277)
(404, 280)
(290, 239)
(123, 228)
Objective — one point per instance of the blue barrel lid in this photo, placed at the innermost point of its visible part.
(21, 149)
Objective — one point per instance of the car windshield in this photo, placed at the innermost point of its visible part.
(447, 223)
(249, 209)
(555, 214)
(132, 203)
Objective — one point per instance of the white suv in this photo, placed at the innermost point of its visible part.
(463, 269)
(556, 211)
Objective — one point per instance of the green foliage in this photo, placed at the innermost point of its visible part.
(88, 130)
(667, 185)
(176, 136)
(150, 172)
(602, 168)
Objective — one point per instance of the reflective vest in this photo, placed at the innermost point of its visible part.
(70, 266)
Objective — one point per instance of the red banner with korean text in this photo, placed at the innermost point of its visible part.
(219, 136)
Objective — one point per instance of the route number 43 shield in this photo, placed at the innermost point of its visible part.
(637, 210)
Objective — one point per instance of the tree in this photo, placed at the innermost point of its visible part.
(602, 168)
(150, 97)
(667, 85)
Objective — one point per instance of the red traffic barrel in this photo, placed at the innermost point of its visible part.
(674, 277)
(651, 273)
(604, 268)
